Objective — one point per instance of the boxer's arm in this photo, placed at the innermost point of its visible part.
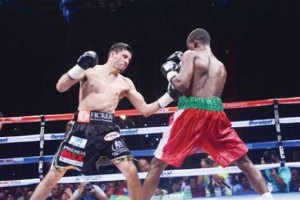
(86, 60)
(171, 68)
(65, 82)
(138, 101)
(183, 80)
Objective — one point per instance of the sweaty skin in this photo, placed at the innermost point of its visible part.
(201, 74)
(101, 89)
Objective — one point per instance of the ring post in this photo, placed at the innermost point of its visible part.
(42, 140)
(278, 132)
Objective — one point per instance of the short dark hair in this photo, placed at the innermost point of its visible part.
(120, 46)
(200, 35)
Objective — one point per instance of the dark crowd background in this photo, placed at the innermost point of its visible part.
(258, 41)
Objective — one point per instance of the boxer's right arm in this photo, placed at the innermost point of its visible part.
(86, 60)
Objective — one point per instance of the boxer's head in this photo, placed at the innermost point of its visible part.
(120, 55)
(197, 37)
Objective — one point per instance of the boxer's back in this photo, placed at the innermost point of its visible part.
(209, 76)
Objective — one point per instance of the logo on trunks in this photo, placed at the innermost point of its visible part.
(260, 122)
(83, 116)
(111, 136)
(72, 156)
(102, 115)
(118, 147)
(78, 142)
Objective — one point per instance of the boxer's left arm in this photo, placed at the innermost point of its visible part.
(138, 101)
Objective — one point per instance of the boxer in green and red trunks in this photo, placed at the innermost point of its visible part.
(200, 123)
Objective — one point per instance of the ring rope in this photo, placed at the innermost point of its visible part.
(142, 175)
(147, 152)
(148, 130)
(133, 112)
(172, 173)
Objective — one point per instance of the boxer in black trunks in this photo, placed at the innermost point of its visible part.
(94, 132)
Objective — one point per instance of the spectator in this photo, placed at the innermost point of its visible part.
(88, 191)
(175, 185)
(245, 186)
(214, 182)
(26, 192)
(121, 187)
(143, 165)
(9, 196)
(234, 181)
(196, 189)
(295, 180)
(55, 193)
(67, 193)
(185, 185)
(278, 177)
(110, 188)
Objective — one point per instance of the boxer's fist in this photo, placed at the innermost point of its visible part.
(176, 57)
(173, 92)
(171, 95)
(170, 69)
(88, 59)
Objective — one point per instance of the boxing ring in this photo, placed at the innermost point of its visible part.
(275, 106)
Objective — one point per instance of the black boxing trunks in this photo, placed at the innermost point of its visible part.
(94, 134)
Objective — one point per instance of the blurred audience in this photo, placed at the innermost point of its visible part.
(143, 165)
(215, 184)
(110, 188)
(66, 194)
(279, 177)
(55, 193)
(196, 189)
(9, 196)
(88, 191)
(121, 188)
(245, 187)
(175, 185)
(295, 180)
